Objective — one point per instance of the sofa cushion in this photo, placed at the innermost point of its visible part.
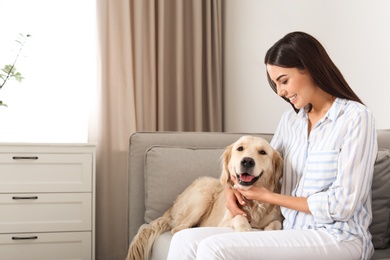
(380, 226)
(174, 168)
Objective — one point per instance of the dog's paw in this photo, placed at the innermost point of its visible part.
(243, 229)
(241, 224)
(274, 225)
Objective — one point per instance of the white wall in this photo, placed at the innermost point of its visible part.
(356, 34)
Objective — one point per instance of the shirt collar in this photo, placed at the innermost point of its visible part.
(336, 109)
(333, 113)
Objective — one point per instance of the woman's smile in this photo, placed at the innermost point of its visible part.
(292, 98)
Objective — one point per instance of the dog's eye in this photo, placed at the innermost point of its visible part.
(240, 149)
(262, 152)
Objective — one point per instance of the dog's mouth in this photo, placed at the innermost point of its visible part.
(246, 179)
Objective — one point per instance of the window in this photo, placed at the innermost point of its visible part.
(58, 63)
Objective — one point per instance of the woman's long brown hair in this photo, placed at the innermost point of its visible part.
(302, 51)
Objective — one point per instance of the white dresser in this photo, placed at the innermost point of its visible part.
(47, 201)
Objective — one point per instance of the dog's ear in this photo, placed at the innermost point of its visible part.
(278, 171)
(225, 175)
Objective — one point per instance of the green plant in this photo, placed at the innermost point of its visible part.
(9, 70)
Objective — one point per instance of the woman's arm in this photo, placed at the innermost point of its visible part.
(264, 195)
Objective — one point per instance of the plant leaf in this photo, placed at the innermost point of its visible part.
(18, 76)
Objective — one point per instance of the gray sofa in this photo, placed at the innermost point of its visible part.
(162, 164)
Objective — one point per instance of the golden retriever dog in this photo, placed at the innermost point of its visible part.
(250, 161)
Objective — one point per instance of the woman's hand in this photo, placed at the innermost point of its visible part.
(255, 193)
(232, 198)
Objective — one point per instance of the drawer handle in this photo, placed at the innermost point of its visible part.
(25, 198)
(25, 238)
(25, 157)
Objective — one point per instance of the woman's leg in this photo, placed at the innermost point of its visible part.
(282, 244)
(285, 244)
(184, 243)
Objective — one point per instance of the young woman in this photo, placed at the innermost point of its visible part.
(328, 143)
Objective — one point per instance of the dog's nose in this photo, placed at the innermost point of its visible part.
(247, 162)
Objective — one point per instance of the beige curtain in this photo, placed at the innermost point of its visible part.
(178, 55)
(161, 70)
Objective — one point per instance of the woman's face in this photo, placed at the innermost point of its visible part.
(296, 85)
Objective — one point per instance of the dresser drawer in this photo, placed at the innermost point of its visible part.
(45, 172)
(45, 246)
(44, 212)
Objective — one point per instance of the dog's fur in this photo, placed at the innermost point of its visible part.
(250, 161)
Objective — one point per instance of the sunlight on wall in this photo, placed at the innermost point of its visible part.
(59, 65)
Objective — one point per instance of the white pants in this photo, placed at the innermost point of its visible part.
(223, 243)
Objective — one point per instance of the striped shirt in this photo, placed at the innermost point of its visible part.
(332, 167)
